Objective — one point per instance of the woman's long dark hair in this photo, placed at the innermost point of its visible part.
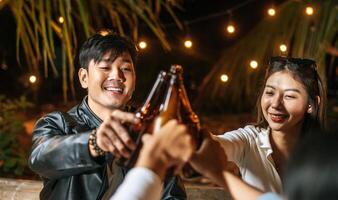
(305, 71)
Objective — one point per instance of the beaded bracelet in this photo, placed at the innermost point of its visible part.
(92, 141)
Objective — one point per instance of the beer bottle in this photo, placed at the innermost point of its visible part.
(176, 105)
(167, 100)
(145, 113)
(191, 120)
(188, 116)
(169, 108)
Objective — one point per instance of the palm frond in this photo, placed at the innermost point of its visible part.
(38, 26)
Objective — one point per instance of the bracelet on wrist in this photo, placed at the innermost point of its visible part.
(93, 142)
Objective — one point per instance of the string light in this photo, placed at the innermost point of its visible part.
(309, 10)
(142, 44)
(283, 48)
(32, 79)
(253, 64)
(271, 11)
(224, 78)
(104, 32)
(3, 64)
(188, 43)
(61, 19)
(231, 28)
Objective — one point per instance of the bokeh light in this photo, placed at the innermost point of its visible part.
(142, 44)
(224, 78)
(253, 64)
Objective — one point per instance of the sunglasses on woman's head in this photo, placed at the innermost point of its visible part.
(294, 61)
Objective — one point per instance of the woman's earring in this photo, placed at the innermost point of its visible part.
(309, 110)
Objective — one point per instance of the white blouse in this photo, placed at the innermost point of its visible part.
(250, 149)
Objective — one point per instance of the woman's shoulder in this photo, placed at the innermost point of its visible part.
(246, 132)
(249, 130)
(253, 130)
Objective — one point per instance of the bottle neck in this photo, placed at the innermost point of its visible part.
(154, 95)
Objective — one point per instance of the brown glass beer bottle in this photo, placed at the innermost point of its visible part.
(191, 120)
(176, 105)
(169, 107)
(146, 114)
(167, 100)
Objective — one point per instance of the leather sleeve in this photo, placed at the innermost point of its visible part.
(173, 189)
(57, 151)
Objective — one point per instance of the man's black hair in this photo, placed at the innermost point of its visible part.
(97, 45)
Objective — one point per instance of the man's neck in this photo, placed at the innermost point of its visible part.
(101, 111)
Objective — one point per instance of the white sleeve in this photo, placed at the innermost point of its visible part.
(139, 184)
(235, 143)
(269, 196)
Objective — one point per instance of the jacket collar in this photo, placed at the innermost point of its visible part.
(89, 116)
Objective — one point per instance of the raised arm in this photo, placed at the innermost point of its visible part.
(211, 161)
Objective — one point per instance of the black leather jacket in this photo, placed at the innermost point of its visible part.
(61, 157)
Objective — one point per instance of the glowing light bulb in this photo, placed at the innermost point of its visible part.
(104, 32)
(253, 64)
(61, 19)
(271, 11)
(142, 44)
(283, 48)
(224, 78)
(32, 78)
(309, 10)
(188, 44)
(231, 28)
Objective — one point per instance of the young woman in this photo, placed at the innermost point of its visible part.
(290, 105)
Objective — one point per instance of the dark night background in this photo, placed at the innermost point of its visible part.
(204, 23)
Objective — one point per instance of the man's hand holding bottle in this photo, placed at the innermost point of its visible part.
(112, 136)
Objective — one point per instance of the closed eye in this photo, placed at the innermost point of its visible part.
(269, 93)
(290, 97)
(104, 67)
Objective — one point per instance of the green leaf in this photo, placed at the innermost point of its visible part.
(38, 29)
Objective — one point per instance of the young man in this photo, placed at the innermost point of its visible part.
(69, 149)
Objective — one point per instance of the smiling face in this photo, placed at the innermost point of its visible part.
(284, 102)
(110, 83)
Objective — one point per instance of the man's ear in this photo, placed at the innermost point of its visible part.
(83, 77)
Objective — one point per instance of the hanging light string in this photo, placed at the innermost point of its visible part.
(218, 14)
(212, 15)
